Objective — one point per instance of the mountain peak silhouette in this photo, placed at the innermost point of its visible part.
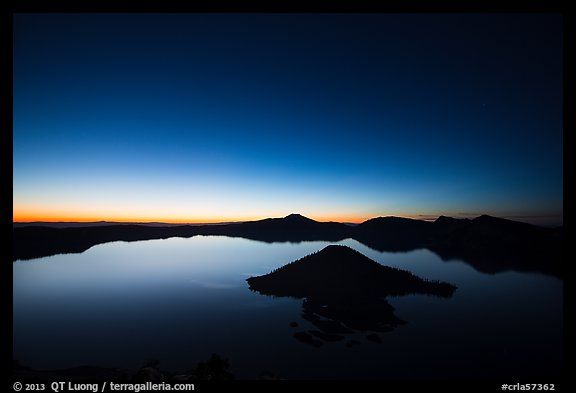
(295, 217)
(390, 219)
(445, 220)
(503, 223)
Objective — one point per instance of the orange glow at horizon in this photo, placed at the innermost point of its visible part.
(49, 218)
(64, 215)
(68, 216)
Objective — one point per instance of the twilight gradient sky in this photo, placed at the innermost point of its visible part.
(217, 117)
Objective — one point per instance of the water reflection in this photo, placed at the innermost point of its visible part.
(180, 300)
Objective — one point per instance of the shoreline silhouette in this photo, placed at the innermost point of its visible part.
(488, 244)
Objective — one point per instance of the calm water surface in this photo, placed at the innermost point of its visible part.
(180, 300)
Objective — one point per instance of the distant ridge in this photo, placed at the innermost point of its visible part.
(489, 244)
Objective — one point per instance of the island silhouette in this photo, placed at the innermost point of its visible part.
(488, 244)
(344, 293)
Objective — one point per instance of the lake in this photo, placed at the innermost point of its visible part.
(180, 300)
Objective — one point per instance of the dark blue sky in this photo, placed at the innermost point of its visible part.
(211, 117)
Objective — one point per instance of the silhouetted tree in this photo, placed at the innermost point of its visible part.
(215, 369)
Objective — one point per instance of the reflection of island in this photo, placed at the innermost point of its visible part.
(344, 292)
(487, 243)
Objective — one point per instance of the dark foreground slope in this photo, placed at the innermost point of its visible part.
(344, 293)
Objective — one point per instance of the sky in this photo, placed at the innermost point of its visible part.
(342, 117)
